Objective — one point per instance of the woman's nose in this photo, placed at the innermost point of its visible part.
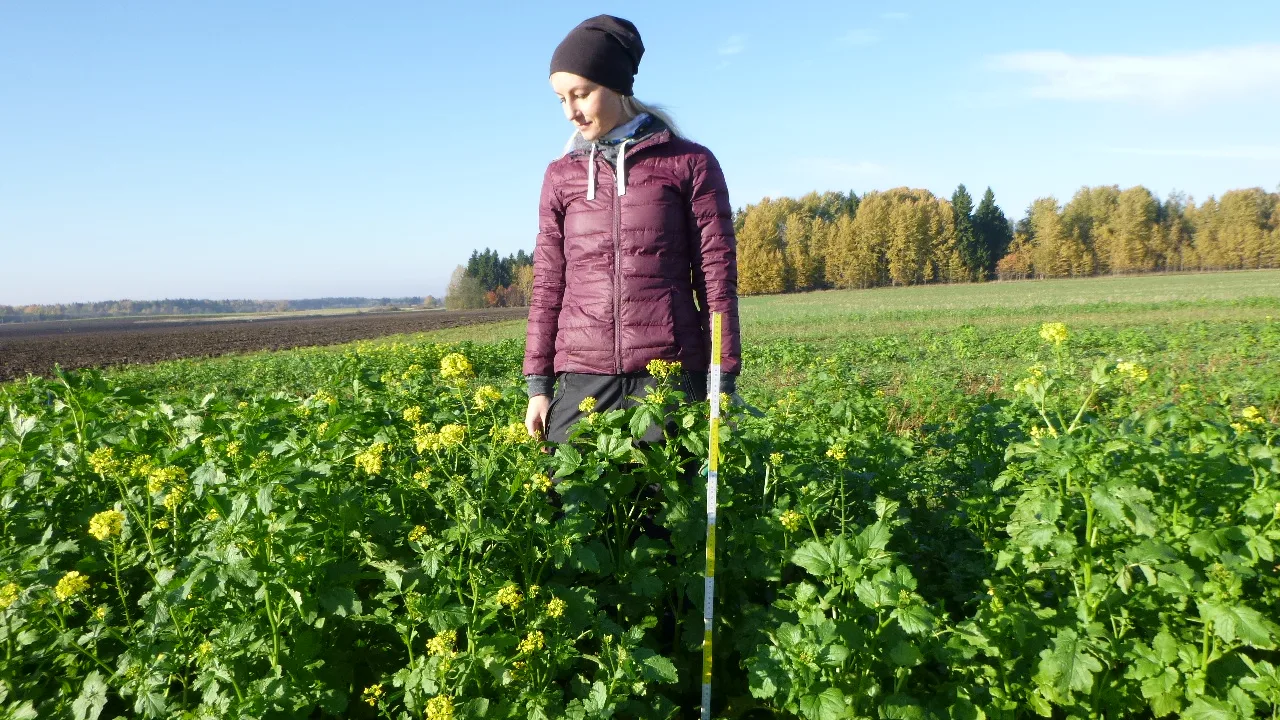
(570, 112)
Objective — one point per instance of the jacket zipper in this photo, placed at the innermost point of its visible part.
(617, 283)
(617, 249)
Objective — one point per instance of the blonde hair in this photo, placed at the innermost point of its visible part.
(632, 107)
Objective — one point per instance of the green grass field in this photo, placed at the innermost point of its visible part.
(1108, 301)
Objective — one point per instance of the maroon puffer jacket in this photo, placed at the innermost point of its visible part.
(615, 277)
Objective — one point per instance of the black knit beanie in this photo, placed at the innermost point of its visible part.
(604, 50)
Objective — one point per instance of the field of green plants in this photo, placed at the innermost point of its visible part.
(970, 519)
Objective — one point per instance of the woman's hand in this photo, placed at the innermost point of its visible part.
(535, 418)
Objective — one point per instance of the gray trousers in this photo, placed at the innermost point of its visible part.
(611, 392)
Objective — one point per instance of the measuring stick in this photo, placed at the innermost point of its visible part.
(713, 477)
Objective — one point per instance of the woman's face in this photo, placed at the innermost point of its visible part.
(593, 109)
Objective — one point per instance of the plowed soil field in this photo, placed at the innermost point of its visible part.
(36, 347)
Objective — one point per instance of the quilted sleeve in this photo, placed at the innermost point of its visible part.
(715, 271)
(548, 282)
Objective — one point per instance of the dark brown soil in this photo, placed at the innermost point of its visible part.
(36, 347)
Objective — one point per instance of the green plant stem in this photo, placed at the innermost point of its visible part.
(115, 568)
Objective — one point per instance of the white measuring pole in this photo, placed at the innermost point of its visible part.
(713, 477)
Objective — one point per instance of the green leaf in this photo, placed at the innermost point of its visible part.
(642, 418)
(1237, 622)
(1067, 667)
(340, 601)
(567, 459)
(761, 678)
(814, 557)
(904, 654)
(595, 702)
(613, 446)
(447, 618)
(833, 655)
(93, 697)
(902, 707)
(1209, 709)
(657, 668)
(827, 705)
(914, 619)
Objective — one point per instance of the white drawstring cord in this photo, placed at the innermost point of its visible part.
(591, 173)
(622, 168)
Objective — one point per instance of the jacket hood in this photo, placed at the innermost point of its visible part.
(613, 146)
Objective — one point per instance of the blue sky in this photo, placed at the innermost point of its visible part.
(306, 149)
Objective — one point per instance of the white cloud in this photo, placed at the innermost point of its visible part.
(859, 37)
(895, 16)
(1229, 152)
(734, 45)
(1166, 79)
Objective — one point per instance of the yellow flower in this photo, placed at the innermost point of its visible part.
(161, 524)
(1240, 428)
(160, 478)
(322, 427)
(1133, 371)
(775, 459)
(212, 515)
(233, 449)
(452, 435)
(370, 460)
(9, 595)
(300, 558)
(509, 596)
(661, 369)
(423, 478)
(100, 613)
(205, 649)
(836, 452)
(71, 584)
(442, 645)
(532, 642)
(440, 707)
(175, 497)
(1054, 332)
(242, 405)
(141, 466)
(373, 694)
(456, 368)
(791, 520)
(1252, 414)
(260, 460)
(103, 461)
(556, 608)
(105, 524)
(413, 414)
(587, 405)
(540, 482)
(512, 434)
(417, 532)
(323, 397)
(485, 396)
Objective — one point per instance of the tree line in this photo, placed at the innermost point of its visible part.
(190, 306)
(489, 280)
(908, 236)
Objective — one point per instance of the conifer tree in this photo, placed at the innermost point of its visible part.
(992, 230)
(973, 253)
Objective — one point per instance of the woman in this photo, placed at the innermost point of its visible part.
(635, 245)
